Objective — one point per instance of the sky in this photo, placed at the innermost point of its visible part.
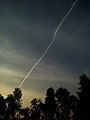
(26, 29)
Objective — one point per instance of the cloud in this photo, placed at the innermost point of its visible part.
(10, 76)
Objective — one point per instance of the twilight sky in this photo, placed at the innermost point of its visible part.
(26, 29)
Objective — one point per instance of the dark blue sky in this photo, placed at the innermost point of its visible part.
(27, 28)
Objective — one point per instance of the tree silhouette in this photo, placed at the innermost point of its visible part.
(13, 102)
(2, 108)
(50, 104)
(36, 109)
(74, 107)
(63, 102)
(84, 97)
(58, 105)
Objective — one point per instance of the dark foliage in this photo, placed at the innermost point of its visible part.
(58, 105)
(50, 104)
(84, 97)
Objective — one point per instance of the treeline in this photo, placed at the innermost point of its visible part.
(58, 105)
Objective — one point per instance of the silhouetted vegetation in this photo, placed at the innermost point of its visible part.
(58, 105)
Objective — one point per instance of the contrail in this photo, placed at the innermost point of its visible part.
(53, 39)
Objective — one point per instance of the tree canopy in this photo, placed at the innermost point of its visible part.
(58, 104)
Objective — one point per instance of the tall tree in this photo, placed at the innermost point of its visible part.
(50, 104)
(36, 109)
(84, 97)
(13, 102)
(2, 108)
(63, 104)
(74, 107)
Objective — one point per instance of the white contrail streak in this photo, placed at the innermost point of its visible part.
(53, 39)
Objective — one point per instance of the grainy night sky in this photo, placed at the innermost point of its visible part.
(26, 29)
